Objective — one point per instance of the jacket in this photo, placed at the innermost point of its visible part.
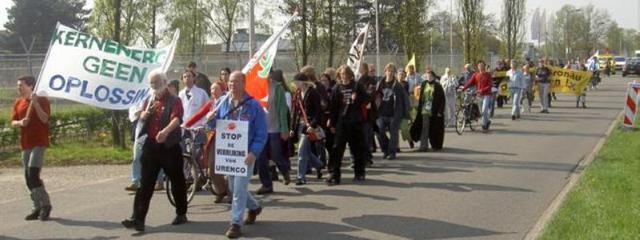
(312, 108)
(483, 81)
(250, 111)
(349, 113)
(401, 103)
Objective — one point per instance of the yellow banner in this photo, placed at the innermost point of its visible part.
(569, 81)
(562, 80)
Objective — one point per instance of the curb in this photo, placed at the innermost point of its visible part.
(535, 231)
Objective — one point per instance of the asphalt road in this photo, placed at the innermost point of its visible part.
(482, 186)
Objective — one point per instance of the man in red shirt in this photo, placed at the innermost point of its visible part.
(32, 117)
(161, 150)
(483, 82)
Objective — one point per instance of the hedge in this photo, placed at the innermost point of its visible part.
(65, 126)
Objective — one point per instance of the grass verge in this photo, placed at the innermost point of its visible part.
(605, 203)
(75, 153)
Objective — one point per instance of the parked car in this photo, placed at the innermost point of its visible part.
(619, 62)
(632, 66)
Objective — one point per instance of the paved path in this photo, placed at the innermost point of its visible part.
(482, 186)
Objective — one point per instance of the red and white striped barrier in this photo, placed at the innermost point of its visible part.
(631, 105)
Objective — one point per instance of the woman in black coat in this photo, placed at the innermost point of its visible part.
(428, 127)
(308, 113)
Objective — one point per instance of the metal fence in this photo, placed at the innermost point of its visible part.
(13, 66)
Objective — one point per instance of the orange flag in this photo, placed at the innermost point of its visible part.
(258, 67)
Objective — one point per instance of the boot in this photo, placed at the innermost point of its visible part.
(43, 197)
(35, 212)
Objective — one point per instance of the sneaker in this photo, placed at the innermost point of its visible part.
(392, 156)
(319, 173)
(358, 178)
(513, 117)
(300, 182)
(132, 187)
(233, 231)
(264, 190)
(252, 215)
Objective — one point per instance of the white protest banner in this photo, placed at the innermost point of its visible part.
(99, 72)
(356, 52)
(232, 146)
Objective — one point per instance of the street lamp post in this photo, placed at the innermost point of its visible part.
(566, 33)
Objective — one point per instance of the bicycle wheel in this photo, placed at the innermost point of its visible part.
(472, 124)
(190, 170)
(461, 121)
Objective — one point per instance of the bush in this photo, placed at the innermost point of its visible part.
(68, 126)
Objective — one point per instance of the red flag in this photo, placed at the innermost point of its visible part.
(257, 69)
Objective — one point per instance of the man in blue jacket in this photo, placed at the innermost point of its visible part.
(238, 105)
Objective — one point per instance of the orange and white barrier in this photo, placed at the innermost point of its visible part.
(631, 105)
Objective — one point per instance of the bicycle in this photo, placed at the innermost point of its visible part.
(193, 155)
(467, 113)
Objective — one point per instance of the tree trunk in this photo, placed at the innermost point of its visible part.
(116, 137)
(331, 35)
(305, 53)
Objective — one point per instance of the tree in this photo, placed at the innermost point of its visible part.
(577, 32)
(512, 26)
(152, 11)
(223, 15)
(102, 22)
(472, 20)
(407, 23)
(189, 17)
(36, 19)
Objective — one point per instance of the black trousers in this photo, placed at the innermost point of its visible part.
(154, 157)
(353, 134)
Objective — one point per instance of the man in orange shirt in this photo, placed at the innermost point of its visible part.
(32, 117)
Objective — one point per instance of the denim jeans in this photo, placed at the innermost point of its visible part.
(389, 145)
(487, 105)
(515, 95)
(274, 144)
(242, 198)
(306, 157)
(544, 96)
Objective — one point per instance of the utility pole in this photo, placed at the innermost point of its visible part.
(377, 41)
(193, 33)
(430, 47)
(252, 28)
(451, 36)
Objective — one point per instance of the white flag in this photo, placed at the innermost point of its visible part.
(357, 51)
